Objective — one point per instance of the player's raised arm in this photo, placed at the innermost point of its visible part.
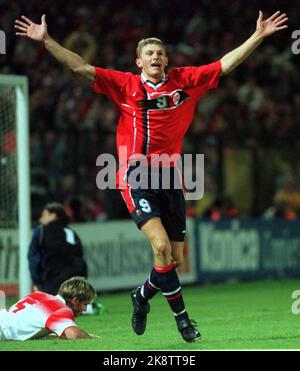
(264, 28)
(39, 32)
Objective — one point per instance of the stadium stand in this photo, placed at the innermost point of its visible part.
(253, 117)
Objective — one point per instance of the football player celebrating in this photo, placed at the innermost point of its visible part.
(156, 109)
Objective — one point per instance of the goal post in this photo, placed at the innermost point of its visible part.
(15, 205)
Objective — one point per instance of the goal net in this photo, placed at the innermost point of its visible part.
(15, 212)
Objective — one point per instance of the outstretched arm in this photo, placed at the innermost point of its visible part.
(39, 32)
(72, 333)
(264, 28)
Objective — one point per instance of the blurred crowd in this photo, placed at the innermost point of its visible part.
(257, 107)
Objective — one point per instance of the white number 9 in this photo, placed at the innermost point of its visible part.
(162, 102)
(145, 206)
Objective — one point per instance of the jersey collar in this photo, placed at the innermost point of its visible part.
(60, 298)
(151, 84)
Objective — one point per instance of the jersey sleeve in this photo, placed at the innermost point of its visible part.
(60, 320)
(110, 82)
(201, 78)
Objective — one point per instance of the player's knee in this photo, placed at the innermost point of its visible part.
(178, 262)
(162, 251)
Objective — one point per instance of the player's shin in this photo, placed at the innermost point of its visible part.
(149, 289)
(169, 284)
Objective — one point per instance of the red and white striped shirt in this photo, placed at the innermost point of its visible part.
(34, 316)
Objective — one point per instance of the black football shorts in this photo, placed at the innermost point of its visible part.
(164, 201)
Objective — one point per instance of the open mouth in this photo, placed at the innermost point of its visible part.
(156, 65)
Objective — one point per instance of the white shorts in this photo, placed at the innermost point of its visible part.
(2, 337)
(2, 327)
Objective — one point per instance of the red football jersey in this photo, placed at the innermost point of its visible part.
(154, 118)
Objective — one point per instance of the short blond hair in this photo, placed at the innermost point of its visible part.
(149, 40)
(77, 287)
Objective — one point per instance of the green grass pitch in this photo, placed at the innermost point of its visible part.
(250, 315)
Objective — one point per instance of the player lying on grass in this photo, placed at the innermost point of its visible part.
(156, 110)
(39, 315)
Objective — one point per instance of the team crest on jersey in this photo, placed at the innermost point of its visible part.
(164, 101)
(176, 98)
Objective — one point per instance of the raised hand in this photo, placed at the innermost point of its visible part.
(30, 29)
(273, 24)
